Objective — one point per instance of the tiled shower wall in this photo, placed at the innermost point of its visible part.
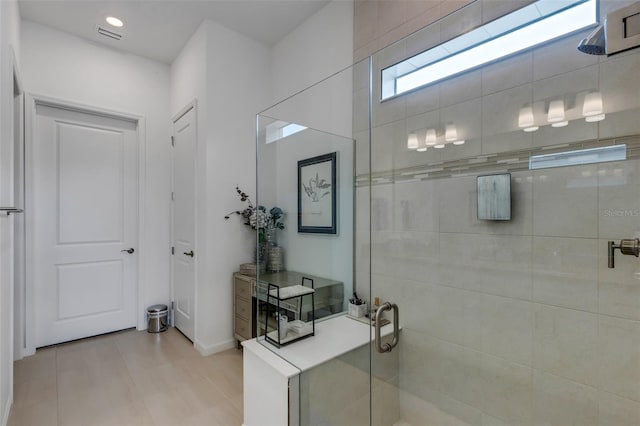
(379, 23)
(518, 322)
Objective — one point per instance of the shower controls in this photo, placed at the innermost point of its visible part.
(627, 246)
(387, 347)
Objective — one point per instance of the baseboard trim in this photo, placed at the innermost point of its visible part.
(24, 352)
(212, 349)
(7, 409)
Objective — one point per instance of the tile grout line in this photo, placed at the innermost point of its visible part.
(57, 389)
(117, 409)
(133, 381)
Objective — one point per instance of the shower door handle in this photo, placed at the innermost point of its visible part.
(387, 347)
(629, 246)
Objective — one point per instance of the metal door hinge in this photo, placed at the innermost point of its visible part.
(173, 305)
(173, 196)
(172, 141)
(173, 250)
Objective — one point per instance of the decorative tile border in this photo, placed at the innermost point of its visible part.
(510, 161)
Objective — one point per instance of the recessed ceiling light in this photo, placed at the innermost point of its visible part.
(112, 20)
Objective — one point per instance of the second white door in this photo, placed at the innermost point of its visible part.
(183, 259)
(85, 223)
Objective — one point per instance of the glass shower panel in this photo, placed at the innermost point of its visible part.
(309, 176)
(519, 321)
(309, 149)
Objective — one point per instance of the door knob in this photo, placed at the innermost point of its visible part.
(11, 210)
(188, 253)
(130, 250)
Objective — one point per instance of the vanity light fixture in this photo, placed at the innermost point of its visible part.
(556, 114)
(430, 138)
(422, 146)
(412, 141)
(594, 118)
(525, 119)
(115, 22)
(451, 133)
(592, 108)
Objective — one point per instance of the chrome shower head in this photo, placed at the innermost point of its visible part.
(595, 42)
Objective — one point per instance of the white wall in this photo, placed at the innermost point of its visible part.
(188, 84)
(63, 66)
(242, 77)
(324, 255)
(237, 68)
(9, 41)
(189, 74)
(231, 78)
(317, 49)
(228, 74)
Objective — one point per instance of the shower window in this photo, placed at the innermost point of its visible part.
(530, 26)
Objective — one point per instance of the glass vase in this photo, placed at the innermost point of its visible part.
(270, 236)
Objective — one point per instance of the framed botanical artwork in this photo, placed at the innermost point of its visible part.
(317, 194)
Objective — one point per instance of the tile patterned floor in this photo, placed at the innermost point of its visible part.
(128, 378)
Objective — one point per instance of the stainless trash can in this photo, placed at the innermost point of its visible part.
(158, 316)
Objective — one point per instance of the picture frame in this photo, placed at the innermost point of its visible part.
(317, 195)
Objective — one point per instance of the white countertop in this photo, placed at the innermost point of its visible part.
(283, 367)
(333, 337)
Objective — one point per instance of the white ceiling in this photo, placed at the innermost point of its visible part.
(158, 29)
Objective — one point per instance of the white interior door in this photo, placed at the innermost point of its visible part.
(19, 267)
(7, 240)
(183, 260)
(85, 182)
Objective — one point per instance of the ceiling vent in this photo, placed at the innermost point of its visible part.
(110, 34)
